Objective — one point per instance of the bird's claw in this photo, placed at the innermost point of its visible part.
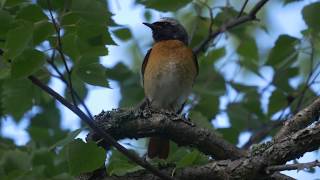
(183, 118)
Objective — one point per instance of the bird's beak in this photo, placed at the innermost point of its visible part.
(151, 26)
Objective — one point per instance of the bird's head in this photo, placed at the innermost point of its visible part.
(168, 29)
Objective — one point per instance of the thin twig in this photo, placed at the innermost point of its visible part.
(242, 8)
(59, 48)
(306, 87)
(61, 77)
(300, 120)
(98, 130)
(297, 166)
(211, 16)
(74, 95)
(259, 135)
(230, 25)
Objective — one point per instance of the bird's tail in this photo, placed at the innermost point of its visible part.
(158, 147)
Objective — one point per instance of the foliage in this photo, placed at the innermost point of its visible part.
(66, 39)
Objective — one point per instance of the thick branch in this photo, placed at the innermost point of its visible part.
(259, 134)
(253, 166)
(301, 120)
(133, 124)
(297, 166)
(230, 25)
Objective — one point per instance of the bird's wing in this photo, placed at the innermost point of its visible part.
(144, 64)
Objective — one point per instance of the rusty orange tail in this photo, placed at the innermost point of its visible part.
(158, 147)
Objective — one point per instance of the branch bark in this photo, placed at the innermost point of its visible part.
(137, 124)
(251, 167)
(297, 166)
(301, 120)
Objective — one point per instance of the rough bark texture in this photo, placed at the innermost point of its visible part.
(250, 167)
(229, 162)
(138, 124)
(300, 120)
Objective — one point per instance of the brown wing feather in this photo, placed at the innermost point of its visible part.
(144, 64)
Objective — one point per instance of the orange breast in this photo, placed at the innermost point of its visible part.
(169, 74)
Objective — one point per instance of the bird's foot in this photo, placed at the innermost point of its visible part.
(183, 118)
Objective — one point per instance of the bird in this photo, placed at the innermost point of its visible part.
(169, 70)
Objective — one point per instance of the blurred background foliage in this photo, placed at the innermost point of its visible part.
(248, 82)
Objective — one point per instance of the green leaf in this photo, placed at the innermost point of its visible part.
(310, 16)
(18, 39)
(5, 20)
(230, 134)
(84, 157)
(281, 78)
(27, 63)
(54, 5)
(290, 1)
(1, 103)
(119, 72)
(164, 5)
(238, 116)
(120, 165)
(252, 103)
(249, 51)
(212, 56)
(209, 86)
(93, 34)
(92, 11)
(123, 33)
(283, 52)
(79, 86)
(131, 90)
(131, 93)
(16, 160)
(70, 137)
(88, 50)
(44, 158)
(199, 34)
(241, 118)
(18, 97)
(42, 30)
(31, 13)
(48, 117)
(213, 81)
(277, 102)
(91, 72)
(45, 136)
(208, 105)
(225, 15)
(70, 46)
(4, 69)
(200, 120)
(188, 159)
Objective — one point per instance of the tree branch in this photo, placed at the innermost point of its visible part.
(230, 25)
(60, 50)
(259, 134)
(61, 77)
(101, 133)
(132, 124)
(301, 120)
(297, 166)
(252, 166)
(242, 8)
